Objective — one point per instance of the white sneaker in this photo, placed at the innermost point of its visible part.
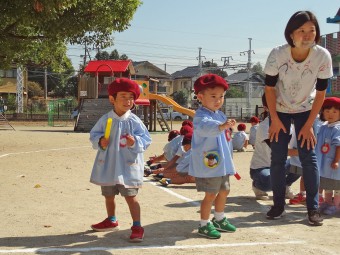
(289, 193)
(259, 194)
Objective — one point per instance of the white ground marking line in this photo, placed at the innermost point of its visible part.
(56, 149)
(155, 247)
(174, 193)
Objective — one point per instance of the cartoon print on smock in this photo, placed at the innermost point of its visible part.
(211, 159)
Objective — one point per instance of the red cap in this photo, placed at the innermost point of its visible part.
(331, 102)
(241, 127)
(185, 130)
(187, 122)
(187, 139)
(124, 84)
(254, 119)
(210, 81)
(173, 134)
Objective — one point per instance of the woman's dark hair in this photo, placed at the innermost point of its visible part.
(297, 20)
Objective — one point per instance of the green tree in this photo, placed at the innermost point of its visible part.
(234, 92)
(37, 31)
(34, 89)
(257, 68)
(181, 98)
(213, 68)
(104, 55)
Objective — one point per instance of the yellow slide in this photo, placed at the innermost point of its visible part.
(169, 101)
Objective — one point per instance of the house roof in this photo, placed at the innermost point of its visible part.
(162, 73)
(109, 66)
(188, 72)
(243, 76)
(336, 18)
(8, 88)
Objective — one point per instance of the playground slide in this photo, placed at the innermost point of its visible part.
(169, 101)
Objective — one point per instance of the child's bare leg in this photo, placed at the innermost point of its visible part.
(206, 205)
(220, 200)
(110, 203)
(134, 207)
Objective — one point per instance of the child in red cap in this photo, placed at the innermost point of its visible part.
(209, 141)
(254, 121)
(112, 170)
(328, 154)
(240, 138)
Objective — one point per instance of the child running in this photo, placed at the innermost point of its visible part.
(328, 154)
(119, 165)
(211, 162)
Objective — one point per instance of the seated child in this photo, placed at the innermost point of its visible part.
(240, 139)
(254, 121)
(181, 175)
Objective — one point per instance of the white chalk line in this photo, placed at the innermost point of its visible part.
(173, 193)
(154, 247)
(38, 151)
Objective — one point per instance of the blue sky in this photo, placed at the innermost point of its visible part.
(171, 31)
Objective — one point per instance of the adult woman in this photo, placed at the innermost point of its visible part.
(297, 75)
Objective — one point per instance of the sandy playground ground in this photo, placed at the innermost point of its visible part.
(47, 205)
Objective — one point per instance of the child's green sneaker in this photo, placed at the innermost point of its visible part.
(223, 225)
(209, 231)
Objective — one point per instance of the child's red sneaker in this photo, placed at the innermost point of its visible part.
(298, 199)
(105, 225)
(137, 234)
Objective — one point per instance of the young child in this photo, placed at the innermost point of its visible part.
(209, 138)
(119, 165)
(240, 139)
(328, 154)
(172, 146)
(180, 176)
(254, 121)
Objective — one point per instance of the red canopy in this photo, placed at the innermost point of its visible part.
(109, 66)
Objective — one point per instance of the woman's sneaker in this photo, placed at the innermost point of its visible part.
(314, 218)
(209, 231)
(276, 212)
(223, 225)
(105, 225)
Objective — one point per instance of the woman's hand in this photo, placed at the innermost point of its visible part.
(308, 137)
(274, 130)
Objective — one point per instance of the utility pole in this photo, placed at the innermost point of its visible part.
(200, 60)
(249, 85)
(45, 82)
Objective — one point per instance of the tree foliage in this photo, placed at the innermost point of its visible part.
(213, 68)
(181, 98)
(104, 55)
(234, 92)
(37, 31)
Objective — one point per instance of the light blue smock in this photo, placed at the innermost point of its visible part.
(183, 164)
(210, 156)
(328, 134)
(171, 147)
(239, 139)
(118, 163)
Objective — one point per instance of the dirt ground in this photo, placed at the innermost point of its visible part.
(47, 205)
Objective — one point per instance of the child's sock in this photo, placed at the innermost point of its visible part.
(136, 224)
(204, 223)
(112, 218)
(219, 215)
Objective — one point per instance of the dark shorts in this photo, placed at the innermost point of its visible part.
(108, 191)
(213, 185)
